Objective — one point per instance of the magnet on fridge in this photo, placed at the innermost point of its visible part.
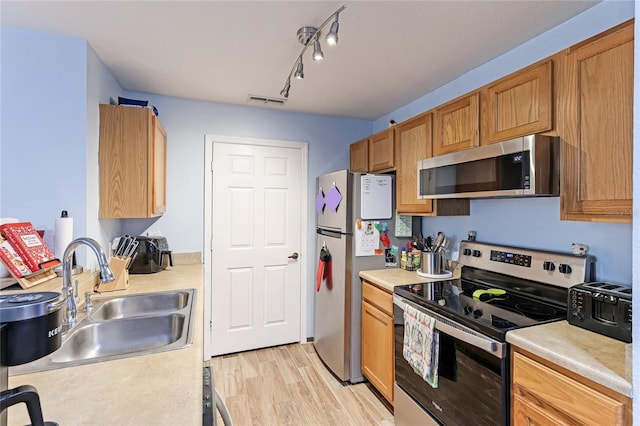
(358, 223)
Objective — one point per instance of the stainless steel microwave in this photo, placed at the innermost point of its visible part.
(523, 167)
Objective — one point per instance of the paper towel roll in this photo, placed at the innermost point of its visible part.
(63, 235)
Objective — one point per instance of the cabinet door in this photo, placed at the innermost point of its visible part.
(159, 155)
(598, 128)
(520, 104)
(132, 161)
(568, 396)
(525, 413)
(377, 349)
(381, 151)
(413, 143)
(359, 156)
(456, 125)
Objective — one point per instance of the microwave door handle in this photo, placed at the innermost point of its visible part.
(487, 345)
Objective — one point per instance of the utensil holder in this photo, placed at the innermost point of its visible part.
(118, 266)
(432, 263)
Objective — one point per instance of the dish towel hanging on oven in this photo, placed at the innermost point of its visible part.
(421, 344)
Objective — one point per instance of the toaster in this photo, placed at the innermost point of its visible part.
(152, 255)
(601, 307)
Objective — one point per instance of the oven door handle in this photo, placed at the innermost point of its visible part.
(458, 331)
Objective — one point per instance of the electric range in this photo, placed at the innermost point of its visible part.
(500, 288)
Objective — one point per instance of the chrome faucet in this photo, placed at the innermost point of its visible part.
(106, 275)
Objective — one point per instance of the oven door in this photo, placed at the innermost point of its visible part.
(472, 374)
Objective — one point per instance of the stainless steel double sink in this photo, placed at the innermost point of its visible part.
(124, 326)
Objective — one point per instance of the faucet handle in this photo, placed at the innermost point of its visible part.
(88, 304)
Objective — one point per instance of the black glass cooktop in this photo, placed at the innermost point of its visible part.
(489, 302)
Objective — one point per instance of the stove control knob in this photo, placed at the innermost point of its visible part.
(468, 309)
(578, 315)
(477, 313)
(466, 252)
(564, 268)
(442, 302)
(476, 253)
(548, 266)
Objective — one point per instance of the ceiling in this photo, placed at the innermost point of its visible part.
(389, 52)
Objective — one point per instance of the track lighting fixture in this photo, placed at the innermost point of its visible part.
(309, 36)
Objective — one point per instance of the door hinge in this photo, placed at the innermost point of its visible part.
(210, 324)
(211, 166)
(211, 245)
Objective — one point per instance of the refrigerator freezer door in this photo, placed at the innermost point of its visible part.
(333, 305)
(338, 218)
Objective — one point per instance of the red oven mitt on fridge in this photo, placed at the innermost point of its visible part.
(322, 265)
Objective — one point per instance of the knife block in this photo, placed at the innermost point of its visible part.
(118, 266)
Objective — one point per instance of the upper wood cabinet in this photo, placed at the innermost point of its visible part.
(597, 109)
(413, 140)
(359, 156)
(456, 125)
(519, 104)
(374, 154)
(132, 160)
(381, 151)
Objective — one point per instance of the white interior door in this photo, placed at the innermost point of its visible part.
(258, 202)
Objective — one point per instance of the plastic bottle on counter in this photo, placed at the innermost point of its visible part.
(403, 259)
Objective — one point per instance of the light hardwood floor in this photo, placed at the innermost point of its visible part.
(289, 385)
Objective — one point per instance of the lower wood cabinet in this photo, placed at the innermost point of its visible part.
(377, 339)
(546, 394)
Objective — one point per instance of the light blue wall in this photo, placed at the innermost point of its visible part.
(534, 222)
(51, 86)
(44, 126)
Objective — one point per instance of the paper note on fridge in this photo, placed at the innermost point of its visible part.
(367, 239)
(375, 196)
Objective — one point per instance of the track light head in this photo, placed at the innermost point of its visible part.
(299, 74)
(332, 36)
(317, 51)
(285, 90)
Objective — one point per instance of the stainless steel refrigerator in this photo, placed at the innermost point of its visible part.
(338, 295)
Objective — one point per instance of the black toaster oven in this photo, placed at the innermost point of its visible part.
(151, 255)
(601, 307)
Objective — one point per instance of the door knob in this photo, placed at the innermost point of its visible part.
(293, 256)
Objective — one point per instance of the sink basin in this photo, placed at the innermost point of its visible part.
(122, 327)
(141, 304)
(108, 338)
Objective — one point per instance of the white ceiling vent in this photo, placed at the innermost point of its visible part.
(266, 100)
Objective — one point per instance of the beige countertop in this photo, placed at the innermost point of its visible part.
(388, 278)
(159, 389)
(599, 358)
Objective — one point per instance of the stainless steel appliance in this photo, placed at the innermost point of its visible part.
(337, 318)
(501, 288)
(525, 166)
(601, 307)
